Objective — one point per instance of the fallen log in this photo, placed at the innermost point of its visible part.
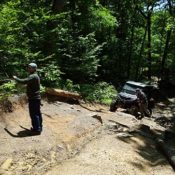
(63, 94)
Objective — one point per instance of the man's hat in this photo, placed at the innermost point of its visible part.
(33, 65)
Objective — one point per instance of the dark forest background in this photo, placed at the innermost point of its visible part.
(88, 46)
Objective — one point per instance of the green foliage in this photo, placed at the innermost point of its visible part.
(80, 59)
(20, 35)
(102, 19)
(84, 42)
(101, 92)
(10, 86)
(50, 75)
(42, 89)
(7, 89)
(69, 85)
(88, 59)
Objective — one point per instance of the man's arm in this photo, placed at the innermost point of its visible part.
(24, 80)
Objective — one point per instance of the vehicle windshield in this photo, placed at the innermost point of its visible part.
(130, 89)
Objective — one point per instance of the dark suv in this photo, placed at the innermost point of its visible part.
(127, 98)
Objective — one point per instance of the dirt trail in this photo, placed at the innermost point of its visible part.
(116, 152)
(75, 142)
(111, 156)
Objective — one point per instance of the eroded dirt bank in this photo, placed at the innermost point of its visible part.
(74, 142)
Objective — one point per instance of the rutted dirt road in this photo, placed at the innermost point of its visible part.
(82, 140)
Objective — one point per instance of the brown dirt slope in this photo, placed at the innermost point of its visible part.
(79, 139)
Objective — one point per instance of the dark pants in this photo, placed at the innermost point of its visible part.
(144, 110)
(35, 114)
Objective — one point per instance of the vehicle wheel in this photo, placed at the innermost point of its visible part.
(148, 114)
(113, 106)
(151, 103)
(134, 111)
(150, 111)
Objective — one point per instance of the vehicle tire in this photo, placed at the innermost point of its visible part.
(148, 114)
(134, 111)
(151, 103)
(113, 106)
(150, 111)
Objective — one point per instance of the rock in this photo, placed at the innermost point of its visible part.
(98, 118)
(7, 164)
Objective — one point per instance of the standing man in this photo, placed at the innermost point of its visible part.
(34, 97)
(143, 103)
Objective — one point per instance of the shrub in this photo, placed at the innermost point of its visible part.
(101, 92)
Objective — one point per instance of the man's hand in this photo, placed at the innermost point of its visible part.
(14, 77)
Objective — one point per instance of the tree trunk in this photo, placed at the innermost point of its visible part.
(149, 46)
(165, 53)
(57, 5)
(73, 17)
(130, 52)
(168, 37)
(140, 56)
(63, 94)
(150, 5)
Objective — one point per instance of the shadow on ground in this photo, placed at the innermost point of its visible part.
(24, 133)
(157, 146)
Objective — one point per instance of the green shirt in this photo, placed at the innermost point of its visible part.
(33, 86)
